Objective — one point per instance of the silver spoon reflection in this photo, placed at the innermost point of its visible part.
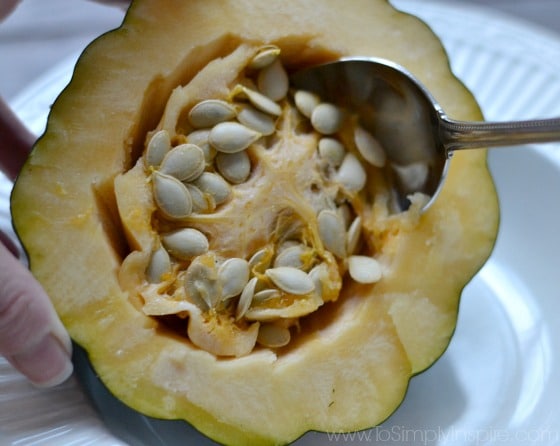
(415, 132)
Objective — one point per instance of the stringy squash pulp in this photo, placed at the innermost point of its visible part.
(225, 247)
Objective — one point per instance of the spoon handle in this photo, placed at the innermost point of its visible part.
(458, 135)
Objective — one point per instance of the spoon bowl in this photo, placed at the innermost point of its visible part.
(401, 113)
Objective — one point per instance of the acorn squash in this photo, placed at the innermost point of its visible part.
(225, 253)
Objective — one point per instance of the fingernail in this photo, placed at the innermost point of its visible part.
(61, 335)
(46, 364)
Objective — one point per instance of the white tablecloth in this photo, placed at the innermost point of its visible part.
(41, 33)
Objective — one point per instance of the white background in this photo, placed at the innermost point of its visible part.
(41, 33)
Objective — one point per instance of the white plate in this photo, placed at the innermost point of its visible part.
(498, 382)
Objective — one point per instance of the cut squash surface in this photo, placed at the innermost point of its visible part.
(222, 245)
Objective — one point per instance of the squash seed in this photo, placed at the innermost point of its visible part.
(318, 275)
(234, 167)
(264, 57)
(369, 147)
(246, 297)
(233, 275)
(266, 294)
(201, 202)
(327, 118)
(364, 269)
(232, 137)
(353, 235)
(159, 265)
(291, 256)
(332, 232)
(159, 145)
(351, 174)
(273, 336)
(346, 213)
(201, 283)
(185, 243)
(200, 139)
(273, 81)
(214, 185)
(261, 259)
(306, 102)
(171, 196)
(259, 100)
(210, 112)
(257, 120)
(413, 176)
(332, 151)
(291, 280)
(184, 162)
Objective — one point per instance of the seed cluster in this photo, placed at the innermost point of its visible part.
(289, 277)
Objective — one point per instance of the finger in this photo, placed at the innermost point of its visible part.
(15, 142)
(32, 337)
(9, 244)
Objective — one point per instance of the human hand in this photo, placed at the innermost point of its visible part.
(32, 338)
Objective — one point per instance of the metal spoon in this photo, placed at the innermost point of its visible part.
(415, 132)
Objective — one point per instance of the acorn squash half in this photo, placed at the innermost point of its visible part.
(140, 271)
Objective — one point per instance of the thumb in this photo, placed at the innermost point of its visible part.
(32, 338)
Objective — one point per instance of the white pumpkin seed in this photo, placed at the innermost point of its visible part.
(273, 336)
(364, 269)
(185, 243)
(266, 294)
(353, 235)
(351, 174)
(215, 186)
(261, 258)
(234, 167)
(346, 214)
(332, 232)
(171, 196)
(327, 118)
(291, 256)
(210, 112)
(201, 284)
(332, 151)
(413, 176)
(159, 265)
(264, 57)
(319, 274)
(233, 275)
(232, 137)
(369, 147)
(273, 81)
(306, 102)
(291, 280)
(246, 297)
(201, 202)
(158, 146)
(257, 120)
(184, 162)
(259, 100)
(200, 139)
